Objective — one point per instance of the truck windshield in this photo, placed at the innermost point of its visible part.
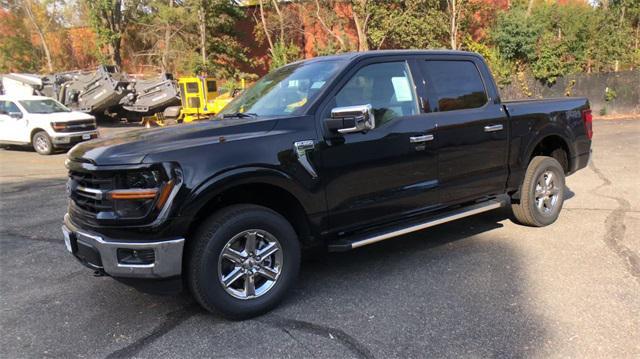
(285, 91)
(43, 106)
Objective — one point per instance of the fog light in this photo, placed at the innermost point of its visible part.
(136, 256)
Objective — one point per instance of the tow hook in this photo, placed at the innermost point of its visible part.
(98, 273)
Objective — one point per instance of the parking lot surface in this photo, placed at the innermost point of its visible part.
(479, 287)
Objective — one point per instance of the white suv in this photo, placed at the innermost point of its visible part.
(44, 123)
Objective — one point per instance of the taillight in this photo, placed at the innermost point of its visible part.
(587, 118)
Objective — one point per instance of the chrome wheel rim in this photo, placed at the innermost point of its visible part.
(547, 192)
(41, 144)
(250, 264)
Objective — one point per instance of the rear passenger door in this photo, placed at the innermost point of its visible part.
(12, 128)
(472, 136)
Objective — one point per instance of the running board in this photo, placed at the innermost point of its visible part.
(369, 238)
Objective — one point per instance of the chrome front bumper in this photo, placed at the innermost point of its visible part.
(100, 253)
(74, 137)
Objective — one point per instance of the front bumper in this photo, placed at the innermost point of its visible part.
(106, 254)
(71, 139)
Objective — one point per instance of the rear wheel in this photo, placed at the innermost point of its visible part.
(243, 260)
(42, 143)
(541, 193)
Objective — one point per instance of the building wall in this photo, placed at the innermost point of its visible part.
(625, 84)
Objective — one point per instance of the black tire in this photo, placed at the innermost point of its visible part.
(528, 212)
(204, 251)
(41, 142)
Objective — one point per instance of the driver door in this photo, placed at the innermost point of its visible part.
(12, 128)
(389, 171)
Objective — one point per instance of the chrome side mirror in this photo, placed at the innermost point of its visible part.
(352, 119)
(17, 115)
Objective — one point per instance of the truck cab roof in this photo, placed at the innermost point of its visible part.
(20, 98)
(358, 55)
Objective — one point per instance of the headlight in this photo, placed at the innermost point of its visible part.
(142, 179)
(140, 192)
(58, 126)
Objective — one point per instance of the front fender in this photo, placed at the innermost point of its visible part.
(308, 194)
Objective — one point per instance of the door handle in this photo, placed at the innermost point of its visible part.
(493, 128)
(423, 138)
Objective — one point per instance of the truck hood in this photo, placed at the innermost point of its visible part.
(61, 116)
(133, 146)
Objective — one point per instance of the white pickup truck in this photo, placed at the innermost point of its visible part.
(43, 123)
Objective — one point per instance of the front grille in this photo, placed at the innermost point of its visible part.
(79, 126)
(88, 196)
(92, 180)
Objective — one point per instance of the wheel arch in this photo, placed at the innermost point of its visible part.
(263, 187)
(34, 131)
(545, 145)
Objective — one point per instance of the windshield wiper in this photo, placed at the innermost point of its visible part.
(239, 115)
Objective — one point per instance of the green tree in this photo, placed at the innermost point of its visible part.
(334, 26)
(407, 24)
(17, 53)
(611, 44)
(515, 34)
(551, 59)
(223, 49)
(36, 13)
(161, 33)
(501, 68)
(279, 30)
(110, 20)
(169, 37)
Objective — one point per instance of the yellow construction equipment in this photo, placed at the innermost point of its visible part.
(200, 100)
(198, 95)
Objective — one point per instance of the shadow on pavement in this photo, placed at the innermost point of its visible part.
(458, 289)
(433, 293)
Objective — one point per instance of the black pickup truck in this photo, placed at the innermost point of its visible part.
(333, 152)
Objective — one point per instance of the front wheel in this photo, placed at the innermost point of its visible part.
(42, 143)
(242, 261)
(541, 193)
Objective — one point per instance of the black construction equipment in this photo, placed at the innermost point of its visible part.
(96, 92)
(105, 93)
(151, 96)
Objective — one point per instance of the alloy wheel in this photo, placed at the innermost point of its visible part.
(546, 192)
(250, 264)
(41, 144)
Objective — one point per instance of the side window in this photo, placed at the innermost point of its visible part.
(7, 106)
(455, 85)
(211, 86)
(192, 87)
(387, 87)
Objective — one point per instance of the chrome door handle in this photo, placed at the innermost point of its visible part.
(493, 128)
(423, 138)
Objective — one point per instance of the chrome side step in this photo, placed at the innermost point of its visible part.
(360, 241)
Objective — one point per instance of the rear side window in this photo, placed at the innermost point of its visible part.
(7, 107)
(455, 85)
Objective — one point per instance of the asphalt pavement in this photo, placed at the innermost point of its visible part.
(479, 287)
